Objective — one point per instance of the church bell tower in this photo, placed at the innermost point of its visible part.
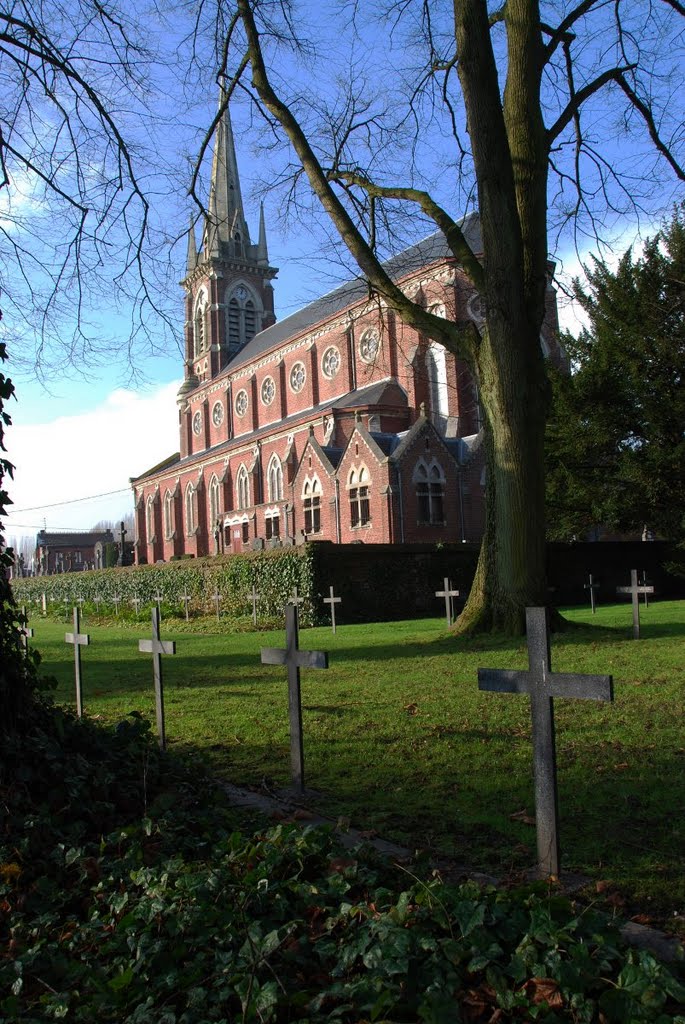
(229, 297)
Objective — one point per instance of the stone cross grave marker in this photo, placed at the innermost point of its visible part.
(294, 659)
(217, 599)
(448, 594)
(186, 601)
(116, 601)
(255, 598)
(25, 630)
(136, 602)
(591, 587)
(157, 648)
(332, 601)
(45, 603)
(635, 590)
(644, 582)
(80, 601)
(122, 540)
(157, 598)
(78, 640)
(97, 601)
(295, 598)
(543, 685)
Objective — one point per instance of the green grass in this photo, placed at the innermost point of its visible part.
(399, 739)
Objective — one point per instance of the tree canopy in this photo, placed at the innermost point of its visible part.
(616, 435)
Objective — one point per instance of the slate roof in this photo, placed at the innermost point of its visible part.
(422, 254)
(73, 540)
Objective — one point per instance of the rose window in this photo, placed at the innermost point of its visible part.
(369, 345)
(330, 364)
(298, 375)
(241, 403)
(268, 391)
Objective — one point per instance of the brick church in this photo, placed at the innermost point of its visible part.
(338, 423)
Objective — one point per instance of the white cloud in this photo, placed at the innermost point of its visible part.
(86, 454)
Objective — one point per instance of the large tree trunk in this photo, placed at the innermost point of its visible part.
(511, 568)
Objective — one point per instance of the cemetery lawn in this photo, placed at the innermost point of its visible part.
(399, 740)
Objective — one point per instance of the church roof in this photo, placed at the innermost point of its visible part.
(422, 254)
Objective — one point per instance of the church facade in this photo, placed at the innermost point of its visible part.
(338, 423)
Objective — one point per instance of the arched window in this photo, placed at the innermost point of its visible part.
(191, 517)
(168, 514)
(437, 384)
(358, 485)
(430, 493)
(311, 505)
(199, 324)
(150, 518)
(214, 501)
(243, 318)
(274, 476)
(242, 489)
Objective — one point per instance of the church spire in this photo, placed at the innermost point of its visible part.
(191, 261)
(262, 251)
(227, 225)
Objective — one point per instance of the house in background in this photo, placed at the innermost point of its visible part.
(68, 551)
(338, 423)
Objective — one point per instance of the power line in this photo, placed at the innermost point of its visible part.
(72, 501)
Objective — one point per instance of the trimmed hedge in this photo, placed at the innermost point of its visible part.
(274, 574)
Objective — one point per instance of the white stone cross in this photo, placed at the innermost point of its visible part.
(186, 601)
(158, 599)
(591, 587)
(332, 601)
(216, 598)
(295, 598)
(136, 602)
(448, 594)
(543, 685)
(97, 601)
(634, 590)
(157, 648)
(78, 640)
(295, 659)
(255, 598)
(116, 601)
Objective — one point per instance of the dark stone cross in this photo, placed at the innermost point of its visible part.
(295, 659)
(448, 594)
(255, 598)
(78, 640)
(122, 537)
(216, 598)
(543, 685)
(157, 648)
(186, 601)
(25, 631)
(591, 587)
(332, 601)
(116, 601)
(635, 590)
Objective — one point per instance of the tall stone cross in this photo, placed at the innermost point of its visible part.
(635, 590)
(332, 601)
(186, 601)
(78, 640)
(295, 598)
(295, 659)
(216, 598)
(448, 594)
(255, 597)
(157, 648)
(543, 685)
(122, 538)
(25, 631)
(591, 587)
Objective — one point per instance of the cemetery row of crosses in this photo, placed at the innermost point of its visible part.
(337, 423)
(538, 681)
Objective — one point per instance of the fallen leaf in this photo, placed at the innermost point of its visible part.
(412, 709)
(523, 817)
(622, 765)
(603, 886)
(642, 919)
(302, 814)
(544, 990)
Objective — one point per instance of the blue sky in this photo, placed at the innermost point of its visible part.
(77, 436)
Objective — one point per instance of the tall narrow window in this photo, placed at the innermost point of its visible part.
(437, 385)
(199, 324)
(191, 517)
(214, 498)
(150, 518)
(275, 479)
(242, 489)
(360, 509)
(244, 319)
(430, 494)
(311, 504)
(168, 514)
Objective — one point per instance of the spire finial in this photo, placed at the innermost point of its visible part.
(191, 261)
(262, 251)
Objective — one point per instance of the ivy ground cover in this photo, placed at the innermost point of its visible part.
(398, 738)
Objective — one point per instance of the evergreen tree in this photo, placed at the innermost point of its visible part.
(615, 440)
